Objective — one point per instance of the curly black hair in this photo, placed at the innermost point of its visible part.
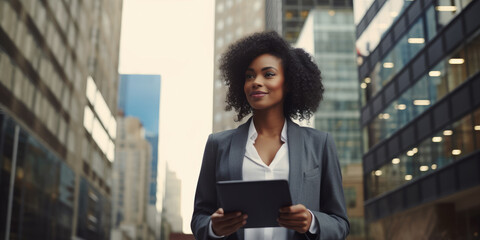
(302, 76)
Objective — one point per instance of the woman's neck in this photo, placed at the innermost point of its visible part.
(268, 123)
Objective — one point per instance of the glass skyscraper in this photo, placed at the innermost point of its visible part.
(139, 96)
(418, 64)
(58, 97)
(329, 35)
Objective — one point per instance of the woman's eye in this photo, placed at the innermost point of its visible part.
(249, 76)
(269, 74)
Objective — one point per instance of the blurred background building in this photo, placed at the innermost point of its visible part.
(419, 65)
(328, 34)
(58, 97)
(131, 183)
(171, 214)
(233, 20)
(139, 96)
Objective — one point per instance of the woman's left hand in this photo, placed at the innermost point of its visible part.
(296, 217)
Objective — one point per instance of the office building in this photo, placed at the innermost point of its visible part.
(131, 182)
(171, 215)
(139, 96)
(58, 93)
(418, 64)
(234, 19)
(328, 34)
(294, 14)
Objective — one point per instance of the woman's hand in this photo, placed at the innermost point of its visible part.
(296, 217)
(224, 224)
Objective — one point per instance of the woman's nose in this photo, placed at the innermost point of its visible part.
(257, 82)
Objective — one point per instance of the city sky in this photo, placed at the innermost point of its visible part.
(174, 38)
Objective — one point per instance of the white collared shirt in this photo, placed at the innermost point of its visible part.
(254, 168)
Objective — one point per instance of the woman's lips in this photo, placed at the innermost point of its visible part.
(258, 94)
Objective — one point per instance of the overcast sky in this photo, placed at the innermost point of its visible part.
(174, 38)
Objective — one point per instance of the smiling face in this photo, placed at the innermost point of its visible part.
(264, 83)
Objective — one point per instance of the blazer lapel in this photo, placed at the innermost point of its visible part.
(237, 151)
(235, 160)
(296, 159)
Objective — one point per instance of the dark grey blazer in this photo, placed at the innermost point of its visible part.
(315, 178)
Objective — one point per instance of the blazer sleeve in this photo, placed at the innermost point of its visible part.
(205, 203)
(332, 217)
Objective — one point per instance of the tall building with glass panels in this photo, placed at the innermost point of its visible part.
(295, 12)
(139, 96)
(329, 35)
(58, 93)
(418, 64)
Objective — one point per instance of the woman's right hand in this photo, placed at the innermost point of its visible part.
(224, 224)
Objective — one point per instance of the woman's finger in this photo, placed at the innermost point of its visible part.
(228, 227)
(225, 216)
(293, 209)
(295, 216)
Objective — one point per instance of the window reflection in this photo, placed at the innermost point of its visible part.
(433, 153)
(476, 127)
(462, 137)
(43, 188)
(382, 22)
(456, 69)
(422, 31)
(473, 55)
(420, 97)
(360, 8)
(403, 51)
(446, 11)
(436, 84)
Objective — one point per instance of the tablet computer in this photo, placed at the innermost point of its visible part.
(260, 200)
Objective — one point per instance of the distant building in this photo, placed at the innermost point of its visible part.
(329, 35)
(131, 182)
(58, 97)
(171, 213)
(233, 20)
(418, 64)
(287, 17)
(139, 96)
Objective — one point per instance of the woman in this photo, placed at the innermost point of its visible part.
(274, 82)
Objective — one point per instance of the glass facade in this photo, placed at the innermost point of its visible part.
(48, 49)
(423, 30)
(94, 213)
(43, 187)
(328, 34)
(420, 125)
(335, 56)
(381, 24)
(442, 79)
(436, 151)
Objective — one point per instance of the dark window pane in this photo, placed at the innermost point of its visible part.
(476, 126)
(473, 55)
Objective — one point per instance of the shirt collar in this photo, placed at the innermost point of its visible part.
(252, 132)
